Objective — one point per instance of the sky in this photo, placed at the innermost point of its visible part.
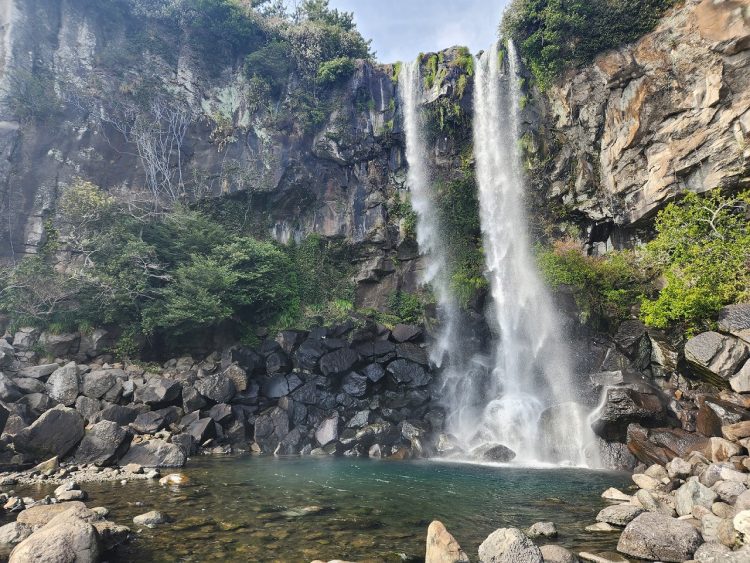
(401, 29)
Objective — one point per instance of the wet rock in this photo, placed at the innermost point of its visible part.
(174, 480)
(328, 430)
(338, 362)
(493, 452)
(619, 515)
(151, 519)
(602, 527)
(442, 547)
(63, 385)
(655, 536)
(360, 419)
(542, 530)
(290, 444)
(628, 334)
(159, 391)
(509, 545)
(217, 388)
(448, 444)
(413, 353)
(110, 534)
(104, 444)
(155, 453)
(55, 433)
(309, 353)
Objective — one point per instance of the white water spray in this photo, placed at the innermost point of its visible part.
(531, 369)
(423, 203)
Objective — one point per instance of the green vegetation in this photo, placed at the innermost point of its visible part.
(605, 288)
(699, 258)
(171, 275)
(553, 35)
(330, 72)
(702, 250)
(406, 307)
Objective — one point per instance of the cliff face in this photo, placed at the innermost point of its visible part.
(649, 121)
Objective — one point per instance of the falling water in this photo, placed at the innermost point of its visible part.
(530, 368)
(429, 236)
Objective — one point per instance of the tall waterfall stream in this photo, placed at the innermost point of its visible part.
(521, 394)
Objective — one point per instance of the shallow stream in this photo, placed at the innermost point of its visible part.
(248, 508)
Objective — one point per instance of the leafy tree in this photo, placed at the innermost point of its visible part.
(702, 249)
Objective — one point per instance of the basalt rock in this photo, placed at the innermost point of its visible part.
(103, 444)
(55, 433)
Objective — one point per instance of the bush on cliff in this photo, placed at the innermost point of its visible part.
(702, 249)
(553, 35)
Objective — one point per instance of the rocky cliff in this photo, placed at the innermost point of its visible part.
(649, 121)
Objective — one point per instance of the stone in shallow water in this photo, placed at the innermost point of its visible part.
(509, 545)
(557, 554)
(618, 515)
(151, 519)
(442, 547)
(542, 530)
(493, 452)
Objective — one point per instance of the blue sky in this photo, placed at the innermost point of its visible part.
(401, 29)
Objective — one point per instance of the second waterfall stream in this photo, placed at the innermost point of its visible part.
(523, 397)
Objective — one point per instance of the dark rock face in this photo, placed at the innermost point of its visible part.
(338, 362)
(354, 384)
(271, 427)
(623, 406)
(660, 445)
(217, 388)
(309, 353)
(55, 433)
(122, 415)
(148, 423)
(158, 391)
(404, 372)
(104, 444)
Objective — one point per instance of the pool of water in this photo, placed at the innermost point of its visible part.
(298, 509)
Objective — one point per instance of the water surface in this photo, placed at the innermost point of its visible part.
(298, 509)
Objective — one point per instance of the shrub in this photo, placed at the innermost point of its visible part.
(334, 70)
(702, 248)
(605, 288)
(406, 307)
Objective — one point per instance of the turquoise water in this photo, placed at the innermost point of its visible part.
(298, 509)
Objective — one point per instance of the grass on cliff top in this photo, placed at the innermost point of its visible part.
(555, 35)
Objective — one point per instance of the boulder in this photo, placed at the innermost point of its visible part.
(442, 547)
(407, 333)
(96, 343)
(38, 372)
(309, 353)
(693, 494)
(40, 514)
(280, 385)
(509, 545)
(149, 422)
(658, 537)
(158, 391)
(60, 345)
(328, 430)
(338, 362)
(95, 384)
(122, 415)
(151, 519)
(720, 449)
(87, 406)
(493, 452)
(736, 431)
(238, 376)
(628, 334)
(64, 384)
(202, 429)
(191, 399)
(623, 406)
(155, 453)
(221, 413)
(407, 373)
(619, 514)
(278, 362)
(70, 540)
(271, 426)
(104, 444)
(13, 533)
(354, 384)
(8, 390)
(715, 356)
(217, 388)
(557, 554)
(542, 530)
(25, 339)
(29, 385)
(55, 433)
(735, 319)
(741, 381)
(713, 414)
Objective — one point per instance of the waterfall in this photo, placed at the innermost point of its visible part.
(530, 363)
(429, 236)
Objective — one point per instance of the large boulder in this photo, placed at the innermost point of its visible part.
(354, 384)
(328, 430)
(64, 384)
(238, 376)
(217, 388)
(280, 385)
(62, 540)
(121, 414)
(716, 357)
(309, 353)
(155, 453)
(509, 545)
(104, 444)
(38, 372)
(407, 333)
(410, 374)
(60, 345)
(660, 445)
(735, 319)
(442, 547)
(338, 362)
(9, 392)
(158, 391)
(619, 514)
(95, 384)
(623, 406)
(657, 537)
(55, 433)
(713, 414)
(7, 355)
(271, 426)
(95, 343)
